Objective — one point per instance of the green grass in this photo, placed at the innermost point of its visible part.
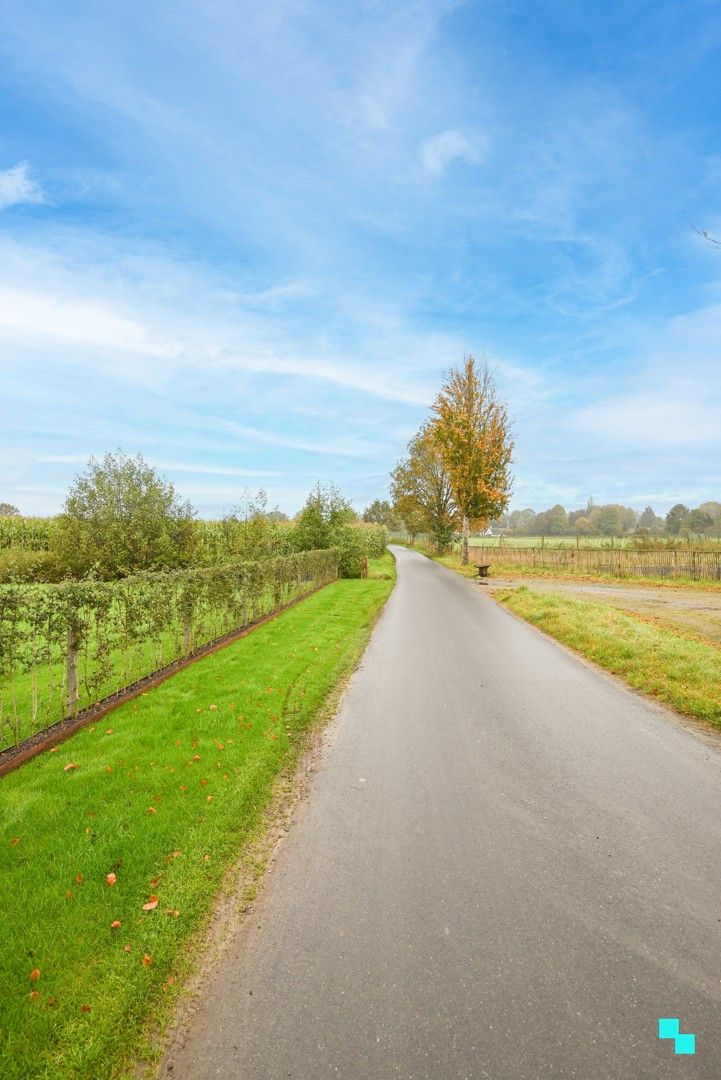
(668, 664)
(203, 751)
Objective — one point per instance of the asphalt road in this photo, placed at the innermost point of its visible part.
(509, 867)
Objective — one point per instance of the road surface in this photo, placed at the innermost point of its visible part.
(509, 867)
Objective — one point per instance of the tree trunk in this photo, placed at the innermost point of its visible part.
(71, 673)
(464, 557)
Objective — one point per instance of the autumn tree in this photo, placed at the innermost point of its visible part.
(421, 490)
(472, 432)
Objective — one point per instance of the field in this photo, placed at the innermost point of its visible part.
(113, 848)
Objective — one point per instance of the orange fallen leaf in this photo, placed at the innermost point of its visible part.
(213, 708)
(70, 765)
(108, 768)
(154, 881)
(85, 1008)
(51, 1001)
(196, 757)
(127, 948)
(54, 749)
(183, 787)
(35, 975)
(15, 841)
(69, 894)
(34, 995)
(115, 924)
(177, 854)
(152, 810)
(78, 879)
(210, 798)
(110, 879)
(147, 960)
(151, 904)
(109, 731)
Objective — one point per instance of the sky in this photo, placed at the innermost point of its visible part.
(248, 239)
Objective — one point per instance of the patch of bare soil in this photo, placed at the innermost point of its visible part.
(692, 611)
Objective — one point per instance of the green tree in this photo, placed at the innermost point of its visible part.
(608, 519)
(380, 512)
(648, 519)
(8, 510)
(472, 432)
(584, 526)
(557, 520)
(120, 517)
(421, 490)
(699, 521)
(676, 519)
(328, 520)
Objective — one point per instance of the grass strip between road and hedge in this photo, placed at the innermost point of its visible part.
(154, 803)
(673, 667)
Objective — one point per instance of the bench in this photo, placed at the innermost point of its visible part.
(483, 569)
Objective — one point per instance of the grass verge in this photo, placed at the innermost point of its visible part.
(673, 667)
(110, 868)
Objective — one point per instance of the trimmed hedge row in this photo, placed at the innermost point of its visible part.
(64, 647)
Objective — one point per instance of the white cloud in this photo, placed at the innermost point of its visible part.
(17, 186)
(647, 421)
(440, 151)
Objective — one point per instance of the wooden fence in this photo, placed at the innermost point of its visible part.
(621, 562)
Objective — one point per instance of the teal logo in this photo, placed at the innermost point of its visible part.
(669, 1027)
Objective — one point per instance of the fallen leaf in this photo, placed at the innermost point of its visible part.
(51, 1002)
(109, 731)
(213, 708)
(206, 857)
(172, 911)
(85, 1008)
(115, 924)
(151, 904)
(34, 995)
(35, 975)
(15, 841)
(54, 749)
(110, 879)
(147, 960)
(196, 757)
(152, 810)
(177, 854)
(108, 768)
(127, 948)
(70, 765)
(154, 881)
(69, 894)
(210, 798)
(78, 879)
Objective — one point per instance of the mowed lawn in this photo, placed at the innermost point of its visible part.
(674, 667)
(112, 848)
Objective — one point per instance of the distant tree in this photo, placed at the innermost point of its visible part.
(8, 510)
(699, 521)
(421, 490)
(676, 519)
(380, 512)
(472, 432)
(608, 520)
(119, 517)
(713, 509)
(648, 518)
(584, 526)
(277, 516)
(557, 520)
(519, 520)
(328, 520)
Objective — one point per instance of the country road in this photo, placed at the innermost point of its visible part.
(509, 867)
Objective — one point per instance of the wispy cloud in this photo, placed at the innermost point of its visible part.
(440, 151)
(17, 186)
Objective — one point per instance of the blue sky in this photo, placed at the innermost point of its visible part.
(247, 240)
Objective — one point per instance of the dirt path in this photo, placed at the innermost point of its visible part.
(691, 610)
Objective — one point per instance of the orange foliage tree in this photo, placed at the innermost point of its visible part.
(472, 432)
